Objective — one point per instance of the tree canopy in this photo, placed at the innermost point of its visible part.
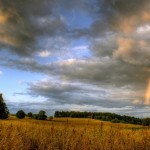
(20, 114)
(105, 116)
(42, 115)
(3, 109)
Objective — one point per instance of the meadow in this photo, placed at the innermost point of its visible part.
(71, 134)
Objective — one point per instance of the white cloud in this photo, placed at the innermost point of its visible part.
(1, 72)
(143, 29)
(81, 48)
(44, 53)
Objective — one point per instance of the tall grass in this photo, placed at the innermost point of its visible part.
(71, 134)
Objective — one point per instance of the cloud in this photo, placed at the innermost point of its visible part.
(60, 94)
(115, 73)
(44, 53)
(124, 16)
(105, 72)
(24, 22)
(143, 29)
(1, 72)
(104, 46)
(64, 92)
(133, 51)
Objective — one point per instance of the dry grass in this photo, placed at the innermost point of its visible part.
(71, 134)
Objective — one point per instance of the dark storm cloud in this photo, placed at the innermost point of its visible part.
(103, 72)
(28, 64)
(62, 92)
(51, 88)
(23, 64)
(22, 23)
(120, 15)
(119, 42)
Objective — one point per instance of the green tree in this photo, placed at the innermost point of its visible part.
(50, 118)
(34, 116)
(42, 115)
(20, 114)
(146, 122)
(30, 114)
(115, 120)
(3, 109)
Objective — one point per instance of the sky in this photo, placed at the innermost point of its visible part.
(76, 55)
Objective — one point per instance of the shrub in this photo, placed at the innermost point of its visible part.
(20, 114)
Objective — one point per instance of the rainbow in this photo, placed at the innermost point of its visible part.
(147, 94)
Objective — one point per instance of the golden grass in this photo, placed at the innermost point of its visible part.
(71, 134)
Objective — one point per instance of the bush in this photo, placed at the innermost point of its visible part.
(20, 114)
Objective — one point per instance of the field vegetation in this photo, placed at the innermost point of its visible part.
(71, 134)
(104, 116)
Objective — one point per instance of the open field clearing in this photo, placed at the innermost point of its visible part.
(71, 134)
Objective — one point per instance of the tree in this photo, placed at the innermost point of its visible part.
(115, 120)
(3, 109)
(20, 114)
(34, 116)
(41, 115)
(146, 122)
(50, 118)
(30, 114)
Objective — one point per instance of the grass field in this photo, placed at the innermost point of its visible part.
(71, 134)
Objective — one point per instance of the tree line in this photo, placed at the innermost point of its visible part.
(104, 116)
(40, 116)
(4, 112)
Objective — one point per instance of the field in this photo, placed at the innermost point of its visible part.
(71, 134)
